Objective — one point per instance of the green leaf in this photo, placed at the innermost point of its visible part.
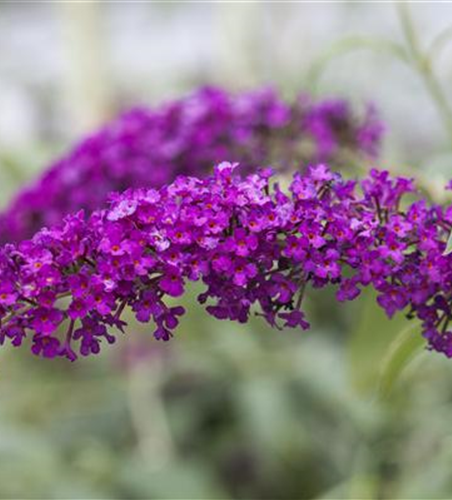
(371, 340)
(402, 350)
(448, 245)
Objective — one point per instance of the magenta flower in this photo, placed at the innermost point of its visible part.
(45, 320)
(263, 251)
(172, 282)
(8, 294)
(241, 243)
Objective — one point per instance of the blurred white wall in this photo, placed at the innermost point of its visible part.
(64, 67)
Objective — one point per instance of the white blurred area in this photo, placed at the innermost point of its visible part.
(65, 67)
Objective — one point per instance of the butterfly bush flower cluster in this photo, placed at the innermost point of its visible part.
(255, 248)
(150, 147)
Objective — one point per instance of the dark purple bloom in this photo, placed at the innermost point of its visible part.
(294, 319)
(147, 148)
(45, 321)
(48, 347)
(172, 282)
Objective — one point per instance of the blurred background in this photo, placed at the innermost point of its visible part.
(226, 411)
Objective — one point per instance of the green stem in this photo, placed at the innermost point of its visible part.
(423, 64)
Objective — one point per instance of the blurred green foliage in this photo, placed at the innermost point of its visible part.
(229, 411)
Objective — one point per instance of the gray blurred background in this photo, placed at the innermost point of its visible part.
(225, 410)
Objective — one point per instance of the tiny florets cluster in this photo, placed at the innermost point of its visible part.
(253, 246)
(150, 147)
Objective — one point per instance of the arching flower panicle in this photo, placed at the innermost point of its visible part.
(253, 247)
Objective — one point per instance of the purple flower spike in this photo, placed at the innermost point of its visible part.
(252, 246)
(150, 147)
